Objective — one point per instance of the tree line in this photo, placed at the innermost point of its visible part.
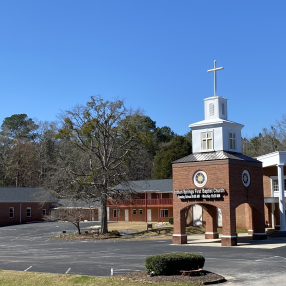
(31, 150)
(92, 148)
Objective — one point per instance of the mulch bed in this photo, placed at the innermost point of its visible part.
(206, 278)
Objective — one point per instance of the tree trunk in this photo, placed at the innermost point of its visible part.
(104, 228)
(78, 228)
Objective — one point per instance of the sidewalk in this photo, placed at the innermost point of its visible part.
(244, 241)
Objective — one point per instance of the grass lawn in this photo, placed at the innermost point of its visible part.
(20, 278)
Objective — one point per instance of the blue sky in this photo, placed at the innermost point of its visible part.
(153, 53)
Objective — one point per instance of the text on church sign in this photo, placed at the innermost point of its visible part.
(200, 194)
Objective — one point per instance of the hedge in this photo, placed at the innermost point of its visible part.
(167, 264)
(171, 221)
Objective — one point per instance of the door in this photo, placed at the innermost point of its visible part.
(197, 215)
(92, 215)
(149, 217)
(126, 215)
(219, 217)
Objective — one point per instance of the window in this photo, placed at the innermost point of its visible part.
(11, 212)
(211, 109)
(164, 213)
(44, 212)
(222, 109)
(118, 213)
(207, 141)
(232, 141)
(140, 211)
(134, 211)
(114, 213)
(28, 212)
(276, 186)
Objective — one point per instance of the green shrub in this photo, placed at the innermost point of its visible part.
(167, 264)
(171, 220)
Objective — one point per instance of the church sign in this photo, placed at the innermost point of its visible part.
(213, 194)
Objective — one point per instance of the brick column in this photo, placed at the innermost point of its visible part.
(211, 222)
(179, 236)
(229, 237)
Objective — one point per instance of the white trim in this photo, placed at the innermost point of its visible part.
(214, 123)
(212, 140)
(263, 233)
(272, 178)
(249, 178)
(211, 232)
(232, 138)
(179, 235)
(162, 213)
(271, 159)
(194, 178)
(229, 236)
(250, 230)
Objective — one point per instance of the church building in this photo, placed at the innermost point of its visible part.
(218, 176)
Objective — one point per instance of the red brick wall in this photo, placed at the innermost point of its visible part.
(241, 217)
(222, 174)
(66, 214)
(36, 212)
(141, 217)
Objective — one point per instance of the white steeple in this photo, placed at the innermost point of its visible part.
(216, 133)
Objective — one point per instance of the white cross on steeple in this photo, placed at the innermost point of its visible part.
(214, 70)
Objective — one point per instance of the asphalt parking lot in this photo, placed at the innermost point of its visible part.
(29, 247)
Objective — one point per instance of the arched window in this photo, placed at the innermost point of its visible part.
(211, 109)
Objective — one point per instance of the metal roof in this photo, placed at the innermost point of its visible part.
(22, 194)
(158, 186)
(216, 155)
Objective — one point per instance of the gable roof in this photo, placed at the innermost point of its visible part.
(22, 194)
(216, 155)
(158, 186)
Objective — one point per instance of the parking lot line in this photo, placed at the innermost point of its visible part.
(68, 271)
(28, 268)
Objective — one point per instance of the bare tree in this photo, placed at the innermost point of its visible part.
(96, 141)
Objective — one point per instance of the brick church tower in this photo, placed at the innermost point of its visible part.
(217, 175)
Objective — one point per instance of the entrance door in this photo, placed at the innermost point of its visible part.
(149, 217)
(126, 215)
(92, 215)
(219, 217)
(197, 215)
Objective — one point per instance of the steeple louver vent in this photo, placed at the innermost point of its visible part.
(211, 111)
(222, 109)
